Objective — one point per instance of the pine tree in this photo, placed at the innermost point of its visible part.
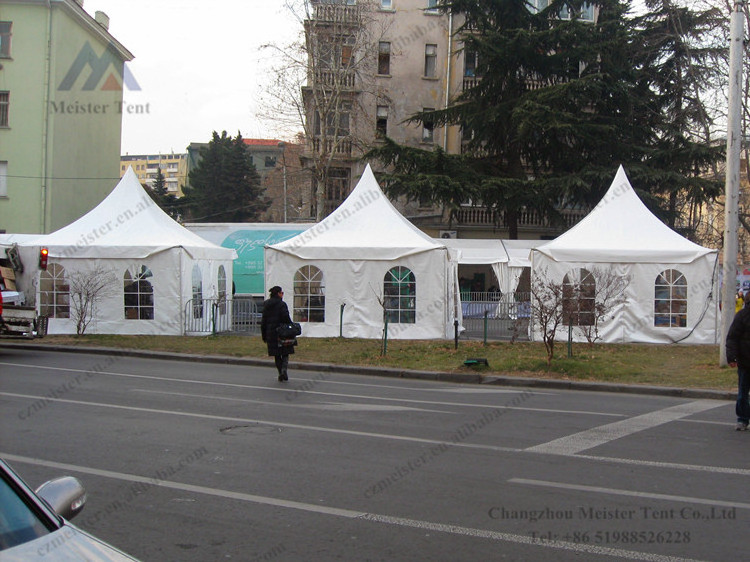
(561, 102)
(167, 201)
(225, 186)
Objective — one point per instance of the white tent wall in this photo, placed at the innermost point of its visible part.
(172, 285)
(621, 234)
(358, 284)
(633, 321)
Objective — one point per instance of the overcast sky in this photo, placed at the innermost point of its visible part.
(198, 64)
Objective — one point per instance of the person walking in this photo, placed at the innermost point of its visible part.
(738, 355)
(276, 312)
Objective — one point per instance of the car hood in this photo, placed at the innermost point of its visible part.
(68, 543)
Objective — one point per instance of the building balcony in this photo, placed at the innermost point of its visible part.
(527, 218)
(338, 14)
(340, 79)
(338, 147)
(470, 81)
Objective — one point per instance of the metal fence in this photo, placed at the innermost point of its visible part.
(215, 316)
(495, 315)
(485, 315)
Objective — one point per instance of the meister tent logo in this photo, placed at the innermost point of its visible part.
(99, 66)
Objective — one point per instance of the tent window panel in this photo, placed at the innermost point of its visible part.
(670, 299)
(54, 292)
(138, 295)
(399, 296)
(309, 295)
(579, 298)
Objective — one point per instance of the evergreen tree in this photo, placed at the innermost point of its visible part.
(561, 102)
(679, 52)
(167, 201)
(225, 186)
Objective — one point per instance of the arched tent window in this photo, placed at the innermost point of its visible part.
(309, 295)
(197, 292)
(400, 295)
(138, 294)
(221, 283)
(670, 299)
(54, 292)
(579, 294)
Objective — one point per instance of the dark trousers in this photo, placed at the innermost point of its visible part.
(282, 361)
(743, 389)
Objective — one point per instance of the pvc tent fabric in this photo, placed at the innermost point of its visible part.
(127, 236)
(354, 292)
(622, 229)
(365, 221)
(354, 249)
(624, 223)
(127, 224)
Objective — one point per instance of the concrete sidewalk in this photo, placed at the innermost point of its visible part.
(466, 378)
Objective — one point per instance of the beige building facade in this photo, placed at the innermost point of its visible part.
(416, 63)
(173, 168)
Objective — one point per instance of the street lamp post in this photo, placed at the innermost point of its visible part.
(282, 146)
(731, 217)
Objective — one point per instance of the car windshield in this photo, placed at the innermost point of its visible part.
(18, 521)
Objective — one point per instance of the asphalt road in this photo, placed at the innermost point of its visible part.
(189, 461)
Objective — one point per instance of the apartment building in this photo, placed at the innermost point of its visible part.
(412, 62)
(173, 168)
(286, 184)
(62, 76)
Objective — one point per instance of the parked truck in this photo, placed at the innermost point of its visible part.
(21, 321)
(16, 319)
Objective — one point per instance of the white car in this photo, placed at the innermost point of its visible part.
(34, 526)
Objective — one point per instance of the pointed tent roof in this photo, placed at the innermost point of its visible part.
(366, 226)
(127, 224)
(621, 229)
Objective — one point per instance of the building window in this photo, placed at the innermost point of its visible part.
(5, 38)
(386, 4)
(400, 296)
(270, 162)
(381, 121)
(138, 294)
(309, 295)
(587, 12)
(4, 109)
(579, 294)
(428, 127)
(432, 6)
(197, 292)
(337, 121)
(54, 292)
(670, 300)
(337, 188)
(3, 179)
(430, 61)
(471, 58)
(384, 58)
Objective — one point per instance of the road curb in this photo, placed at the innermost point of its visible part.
(467, 378)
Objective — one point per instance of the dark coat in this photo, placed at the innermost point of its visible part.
(275, 312)
(738, 339)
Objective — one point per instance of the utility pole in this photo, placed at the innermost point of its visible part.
(282, 146)
(732, 188)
